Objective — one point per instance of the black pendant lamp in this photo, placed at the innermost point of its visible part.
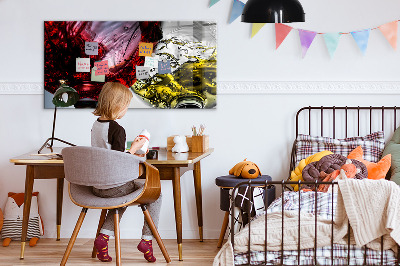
(273, 11)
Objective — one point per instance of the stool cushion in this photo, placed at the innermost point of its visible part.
(83, 196)
(230, 181)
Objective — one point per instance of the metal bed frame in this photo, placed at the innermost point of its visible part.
(283, 184)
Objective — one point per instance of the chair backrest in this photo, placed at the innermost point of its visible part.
(92, 166)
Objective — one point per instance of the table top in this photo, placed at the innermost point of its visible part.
(164, 157)
(168, 157)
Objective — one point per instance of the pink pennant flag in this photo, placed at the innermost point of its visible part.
(306, 39)
(389, 30)
(281, 31)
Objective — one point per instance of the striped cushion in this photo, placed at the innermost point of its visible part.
(372, 145)
(13, 228)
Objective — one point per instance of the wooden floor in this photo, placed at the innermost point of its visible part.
(50, 252)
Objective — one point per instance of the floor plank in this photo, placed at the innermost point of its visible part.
(49, 252)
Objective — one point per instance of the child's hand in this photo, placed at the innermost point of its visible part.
(137, 144)
(142, 155)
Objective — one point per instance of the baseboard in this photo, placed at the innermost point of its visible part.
(259, 87)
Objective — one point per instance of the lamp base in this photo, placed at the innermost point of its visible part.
(46, 144)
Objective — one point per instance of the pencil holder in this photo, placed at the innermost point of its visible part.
(200, 143)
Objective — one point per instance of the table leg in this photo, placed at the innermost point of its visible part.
(60, 190)
(27, 206)
(199, 204)
(176, 183)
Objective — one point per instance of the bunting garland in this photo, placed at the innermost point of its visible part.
(281, 31)
(389, 30)
(256, 28)
(306, 39)
(213, 2)
(361, 37)
(237, 8)
(332, 41)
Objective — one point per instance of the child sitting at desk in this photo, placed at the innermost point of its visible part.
(113, 103)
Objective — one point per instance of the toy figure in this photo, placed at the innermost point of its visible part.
(180, 144)
(13, 215)
(245, 169)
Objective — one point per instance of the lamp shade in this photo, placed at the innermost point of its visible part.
(273, 11)
(65, 96)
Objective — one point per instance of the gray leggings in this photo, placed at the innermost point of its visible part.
(154, 208)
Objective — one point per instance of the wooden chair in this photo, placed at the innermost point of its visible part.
(85, 167)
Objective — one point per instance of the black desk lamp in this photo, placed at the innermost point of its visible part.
(273, 11)
(63, 97)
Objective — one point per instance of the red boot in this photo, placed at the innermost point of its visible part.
(146, 247)
(101, 245)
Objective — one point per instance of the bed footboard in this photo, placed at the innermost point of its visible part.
(379, 257)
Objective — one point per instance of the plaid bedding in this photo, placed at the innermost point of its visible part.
(324, 257)
(306, 202)
(372, 145)
(322, 207)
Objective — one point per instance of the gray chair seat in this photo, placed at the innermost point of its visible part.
(82, 195)
(85, 167)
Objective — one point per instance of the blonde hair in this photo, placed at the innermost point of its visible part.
(113, 98)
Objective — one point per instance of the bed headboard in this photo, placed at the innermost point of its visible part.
(344, 121)
(344, 118)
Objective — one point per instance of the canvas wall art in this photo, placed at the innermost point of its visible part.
(166, 64)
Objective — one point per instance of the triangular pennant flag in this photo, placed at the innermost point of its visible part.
(281, 31)
(237, 9)
(306, 39)
(389, 30)
(256, 28)
(332, 41)
(361, 37)
(213, 2)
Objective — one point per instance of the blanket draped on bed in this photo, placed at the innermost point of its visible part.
(373, 209)
(371, 206)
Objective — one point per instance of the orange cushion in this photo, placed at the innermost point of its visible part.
(375, 170)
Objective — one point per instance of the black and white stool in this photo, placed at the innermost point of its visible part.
(226, 183)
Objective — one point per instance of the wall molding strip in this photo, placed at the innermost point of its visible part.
(309, 87)
(21, 88)
(259, 87)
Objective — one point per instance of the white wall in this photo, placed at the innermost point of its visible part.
(258, 126)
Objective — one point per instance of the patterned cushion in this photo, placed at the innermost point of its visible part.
(372, 144)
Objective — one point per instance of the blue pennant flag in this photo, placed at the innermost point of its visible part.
(361, 37)
(237, 9)
(213, 2)
(332, 41)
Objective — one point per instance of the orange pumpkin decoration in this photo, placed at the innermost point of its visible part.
(375, 170)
